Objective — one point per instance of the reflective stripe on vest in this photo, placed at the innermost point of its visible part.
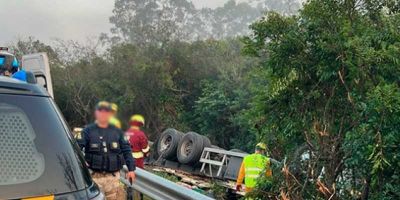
(137, 154)
(255, 165)
(147, 149)
(256, 169)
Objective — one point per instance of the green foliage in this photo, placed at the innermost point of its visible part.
(169, 85)
(321, 88)
(216, 110)
(329, 73)
(215, 113)
(218, 191)
(374, 143)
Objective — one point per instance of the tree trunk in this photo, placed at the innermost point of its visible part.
(365, 194)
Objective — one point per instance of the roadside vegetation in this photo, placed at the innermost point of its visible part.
(320, 86)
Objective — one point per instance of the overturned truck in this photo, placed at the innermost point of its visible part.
(194, 159)
(194, 153)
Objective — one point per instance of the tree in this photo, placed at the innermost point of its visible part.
(31, 45)
(160, 82)
(217, 75)
(159, 21)
(327, 69)
(150, 21)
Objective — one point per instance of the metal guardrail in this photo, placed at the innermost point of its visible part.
(158, 188)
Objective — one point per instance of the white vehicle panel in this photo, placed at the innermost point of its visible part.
(38, 64)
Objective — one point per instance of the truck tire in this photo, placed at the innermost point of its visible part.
(190, 148)
(168, 143)
(206, 142)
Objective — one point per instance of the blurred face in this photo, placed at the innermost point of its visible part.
(103, 116)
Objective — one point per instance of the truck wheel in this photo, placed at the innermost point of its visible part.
(168, 143)
(206, 142)
(190, 148)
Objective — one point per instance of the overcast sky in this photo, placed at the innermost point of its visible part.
(64, 19)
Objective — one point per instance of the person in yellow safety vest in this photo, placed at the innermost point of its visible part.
(253, 166)
(114, 120)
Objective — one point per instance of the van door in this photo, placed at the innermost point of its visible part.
(38, 64)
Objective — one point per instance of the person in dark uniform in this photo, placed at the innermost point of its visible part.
(106, 149)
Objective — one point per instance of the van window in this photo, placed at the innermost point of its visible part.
(37, 155)
(20, 162)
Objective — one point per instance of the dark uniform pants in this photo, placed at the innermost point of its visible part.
(109, 184)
